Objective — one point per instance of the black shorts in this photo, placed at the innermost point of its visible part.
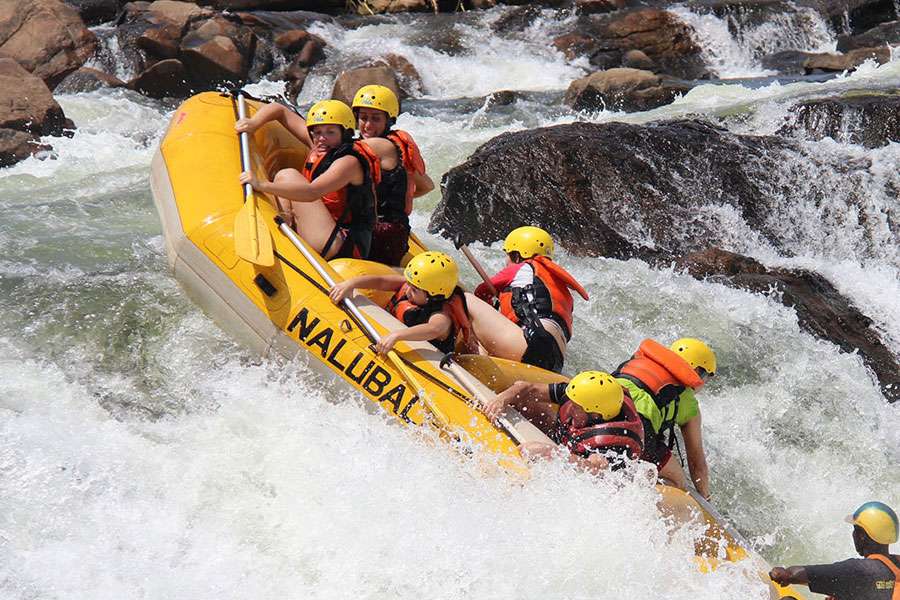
(656, 450)
(390, 243)
(542, 350)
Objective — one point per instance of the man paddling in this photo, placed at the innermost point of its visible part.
(876, 576)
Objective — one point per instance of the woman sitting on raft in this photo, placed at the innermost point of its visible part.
(376, 108)
(427, 300)
(535, 300)
(330, 202)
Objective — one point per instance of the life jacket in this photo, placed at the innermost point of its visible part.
(894, 569)
(547, 298)
(664, 375)
(584, 433)
(353, 205)
(413, 163)
(655, 367)
(412, 314)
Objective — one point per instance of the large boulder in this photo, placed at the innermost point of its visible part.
(348, 82)
(87, 79)
(46, 37)
(837, 62)
(623, 89)
(218, 52)
(164, 79)
(304, 50)
(886, 34)
(658, 192)
(867, 118)
(27, 111)
(26, 103)
(821, 309)
(408, 78)
(666, 40)
(375, 7)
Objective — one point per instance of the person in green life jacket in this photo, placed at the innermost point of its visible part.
(662, 382)
(876, 576)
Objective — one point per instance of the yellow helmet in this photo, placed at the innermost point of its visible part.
(528, 241)
(696, 353)
(878, 521)
(331, 112)
(434, 272)
(379, 97)
(596, 392)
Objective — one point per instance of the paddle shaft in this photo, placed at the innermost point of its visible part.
(477, 266)
(248, 189)
(463, 377)
(364, 323)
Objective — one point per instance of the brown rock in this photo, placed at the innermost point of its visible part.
(176, 13)
(635, 59)
(217, 52)
(16, 146)
(47, 37)
(167, 78)
(375, 7)
(599, 6)
(846, 62)
(293, 41)
(408, 78)
(163, 41)
(883, 34)
(26, 103)
(348, 82)
(87, 79)
(573, 45)
(312, 52)
(623, 89)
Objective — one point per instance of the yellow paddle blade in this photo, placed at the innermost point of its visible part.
(252, 239)
(500, 373)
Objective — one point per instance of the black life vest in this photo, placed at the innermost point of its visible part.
(413, 314)
(353, 206)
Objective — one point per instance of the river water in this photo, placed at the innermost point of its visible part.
(145, 454)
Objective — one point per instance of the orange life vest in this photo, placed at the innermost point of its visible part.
(653, 367)
(549, 295)
(412, 161)
(413, 314)
(894, 569)
(337, 201)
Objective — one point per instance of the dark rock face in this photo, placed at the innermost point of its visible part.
(884, 34)
(872, 120)
(610, 174)
(794, 62)
(16, 146)
(623, 89)
(46, 37)
(93, 12)
(821, 309)
(659, 35)
(631, 191)
(86, 79)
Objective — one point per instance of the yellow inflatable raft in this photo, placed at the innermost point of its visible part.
(283, 308)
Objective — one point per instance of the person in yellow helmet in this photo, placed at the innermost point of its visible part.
(330, 200)
(876, 576)
(591, 415)
(662, 382)
(427, 299)
(376, 108)
(534, 294)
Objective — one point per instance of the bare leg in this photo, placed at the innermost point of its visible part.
(311, 219)
(499, 336)
(674, 473)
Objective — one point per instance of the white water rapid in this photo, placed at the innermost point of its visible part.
(144, 454)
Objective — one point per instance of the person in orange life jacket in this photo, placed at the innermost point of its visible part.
(376, 108)
(331, 200)
(427, 300)
(591, 415)
(534, 296)
(876, 576)
(662, 382)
